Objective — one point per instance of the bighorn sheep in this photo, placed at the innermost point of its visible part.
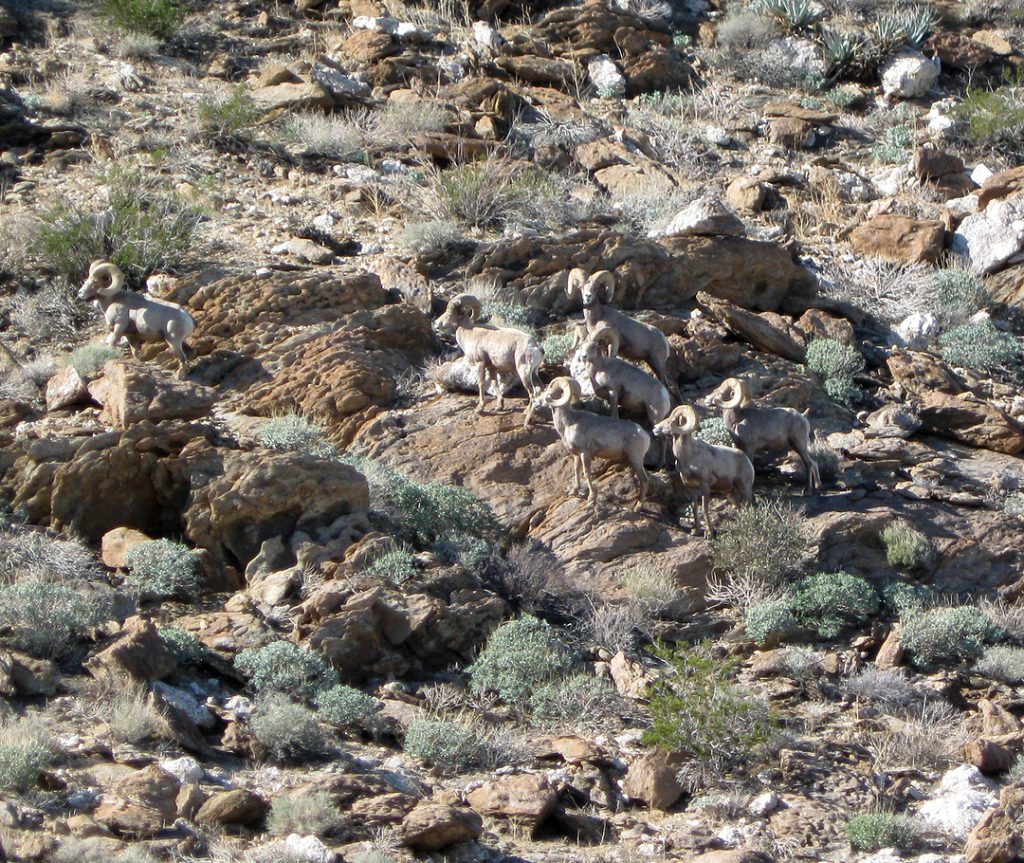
(136, 317)
(586, 435)
(639, 341)
(704, 468)
(754, 429)
(621, 383)
(493, 351)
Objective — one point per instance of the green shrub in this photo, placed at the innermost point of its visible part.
(894, 148)
(310, 813)
(285, 731)
(875, 830)
(158, 18)
(187, 649)
(713, 431)
(162, 568)
(396, 566)
(520, 655)
(447, 746)
(1002, 663)
(906, 547)
(771, 622)
(282, 667)
(829, 358)
(578, 698)
(792, 15)
(88, 360)
(67, 239)
(950, 634)
(431, 238)
(129, 716)
(906, 600)
(959, 294)
(294, 433)
(696, 708)
(830, 601)
(347, 707)
(994, 118)
(842, 97)
(557, 348)
(20, 765)
(49, 619)
(979, 346)
(228, 117)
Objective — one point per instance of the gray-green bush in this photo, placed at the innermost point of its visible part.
(347, 707)
(579, 698)
(979, 346)
(396, 566)
(948, 634)
(285, 731)
(294, 433)
(448, 746)
(906, 547)
(835, 364)
(310, 813)
(187, 649)
(712, 430)
(158, 18)
(90, 359)
(20, 765)
(771, 622)
(162, 568)
(1002, 663)
(285, 668)
(519, 656)
(958, 295)
(48, 619)
(871, 831)
(830, 601)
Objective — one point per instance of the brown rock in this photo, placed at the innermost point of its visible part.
(595, 155)
(996, 838)
(988, 756)
(238, 806)
(276, 73)
(66, 388)
(543, 71)
(631, 678)
(137, 653)
(189, 800)
(386, 809)
(996, 719)
(453, 148)
(307, 250)
(900, 238)
(798, 112)
(653, 779)
(304, 96)
(131, 392)
(994, 41)
(142, 804)
(958, 51)
(760, 331)
(523, 798)
(1001, 185)
(790, 132)
(890, 654)
(731, 856)
(970, 420)
(746, 195)
(25, 675)
(369, 46)
(646, 179)
(930, 164)
(116, 542)
(436, 826)
(920, 373)
(816, 324)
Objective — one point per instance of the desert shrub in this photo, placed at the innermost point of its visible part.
(791, 15)
(578, 698)
(959, 294)
(129, 716)
(228, 116)
(398, 122)
(520, 655)
(557, 348)
(842, 97)
(931, 737)
(158, 18)
(67, 239)
(48, 619)
(51, 313)
(888, 688)
(871, 831)
(756, 553)
(294, 433)
(95, 849)
(1002, 663)
(744, 28)
(827, 460)
(1015, 775)
(652, 587)
(335, 136)
(906, 547)
(427, 238)
(347, 707)
(1006, 616)
(713, 431)
(20, 765)
(770, 622)
(829, 358)
(994, 118)
(948, 634)
(894, 146)
(310, 813)
(396, 566)
(137, 46)
(34, 554)
(187, 649)
(90, 359)
(830, 601)
(285, 731)
(697, 708)
(905, 600)
(162, 568)
(979, 346)
(448, 746)
(282, 667)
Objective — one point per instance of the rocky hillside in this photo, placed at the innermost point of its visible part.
(304, 604)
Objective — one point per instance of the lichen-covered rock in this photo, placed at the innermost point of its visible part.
(909, 74)
(525, 799)
(435, 826)
(900, 238)
(989, 239)
(705, 217)
(142, 804)
(131, 392)
(137, 654)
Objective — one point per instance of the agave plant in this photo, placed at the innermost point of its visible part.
(918, 22)
(793, 15)
(890, 32)
(840, 48)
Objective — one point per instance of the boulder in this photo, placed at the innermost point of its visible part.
(525, 799)
(705, 217)
(307, 250)
(996, 838)
(931, 164)
(653, 779)
(1001, 185)
(436, 826)
(968, 419)
(790, 132)
(302, 96)
(915, 331)
(964, 795)
(131, 392)
(238, 806)
(959, 51)
(746, 195)
(989, 239)
(541, 71)
(137, 654)
(900, 238)
(767, 331)
(890, 654)
(141, 804)
(65, 389)
(25, 675)
(995, 41)
(340, 87)
(117, 542)
(909, 74)
(606, 76)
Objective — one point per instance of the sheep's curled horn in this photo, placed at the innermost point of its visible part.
(468, 305)
(607, 335)
(685, 419)
(605, 278)
(738, 390)
(577, 277)
(564, 391)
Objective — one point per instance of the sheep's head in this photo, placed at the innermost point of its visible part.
(599, 288)
(605, 340)
(104, 279)
(683, 420)
(462, 311)
(560, 392)
(731, 393)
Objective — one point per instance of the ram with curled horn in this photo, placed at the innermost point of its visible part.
(588, 435)
(757, 429)
(494, 352)
(639, 341)
(136, 317)
(622, 384)
(705, 468)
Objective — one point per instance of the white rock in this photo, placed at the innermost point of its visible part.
(378, 25)
(800, 56)
(707, 216)
(909, 75)
(579, 373)
(240, 706)
(980, 174)
(409, 32)
(307, 849)
(915, 331)
(187, 703)
(885, 855)
(892, 180)
(185, 769)
(992, 237)
(853, 187)
(338, 83)
(487, 37)
(938, 120)
(324, 223)
(963, 796)
(606, 76)
(454, 68)
(764, 804)
(718, 136)
(965, 206)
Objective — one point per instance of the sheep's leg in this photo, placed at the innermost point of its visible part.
(527, 381)
(577, 480)
(116, 334)
(641, 480)
(530, 407)
(810, 465)
(500, 384)
(179, 354)
(587, 460)
(481, 383)
(709, 529)
(613, 400)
